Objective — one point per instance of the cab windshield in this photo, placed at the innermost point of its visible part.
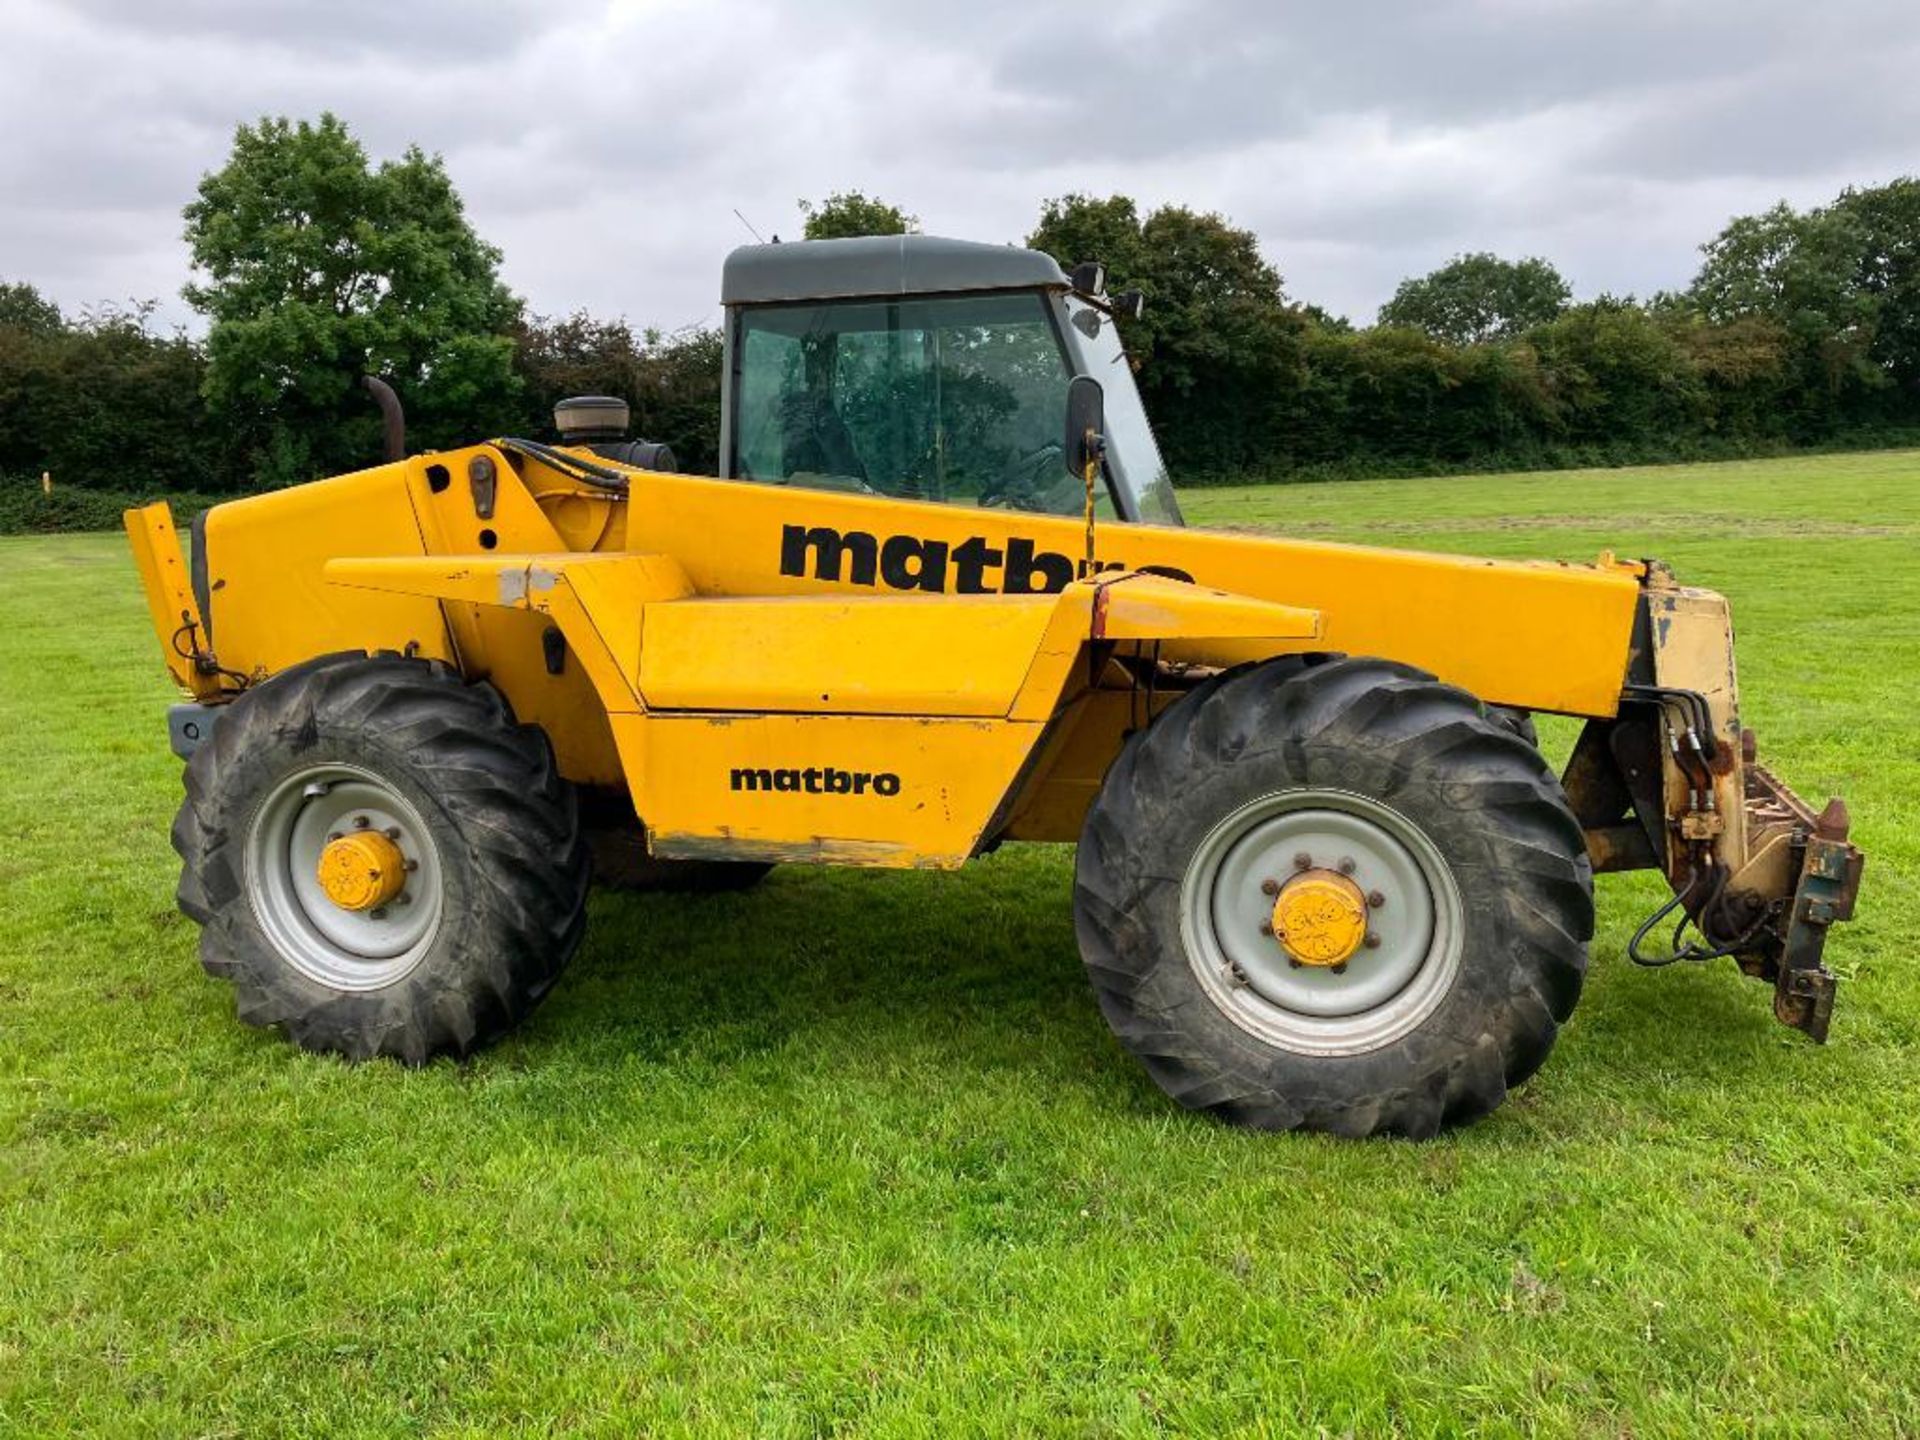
(1133, 456)
(960, 400)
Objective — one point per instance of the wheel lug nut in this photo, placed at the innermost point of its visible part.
(1292, 964)
(1269, 887)
(392, 832)
(1266, 927)
(379, 914)
(1347, 867)
(1376, 899)
(1372, 941)
(333, 835)
(1339, 969)
(1303, 861)
(412, 865)
(360, 822)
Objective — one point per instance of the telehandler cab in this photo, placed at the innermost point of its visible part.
(940, 597)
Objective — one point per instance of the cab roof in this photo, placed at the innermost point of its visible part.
(877, 265)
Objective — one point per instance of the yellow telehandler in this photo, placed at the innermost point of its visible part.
(938, 598)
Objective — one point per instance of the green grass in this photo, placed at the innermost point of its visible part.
(855, 1154)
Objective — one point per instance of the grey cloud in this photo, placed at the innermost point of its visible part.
(428, 31)
(1782, 119)
(1200, 75)
(604, 147)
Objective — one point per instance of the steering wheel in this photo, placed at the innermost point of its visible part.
(1024, 486)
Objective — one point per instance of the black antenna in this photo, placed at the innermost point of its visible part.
(749, 224)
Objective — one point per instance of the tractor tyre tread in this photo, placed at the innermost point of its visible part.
(1400, 736)
(1515, 722)
(505, 824)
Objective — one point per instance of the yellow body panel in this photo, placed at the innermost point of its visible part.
(598, 603)
(501, 645)
(756, 787)
(1073, 759)
(271, 606)
(1137, 606)
(877, 656)
(863, 688)
(170, 602)
(748, 628)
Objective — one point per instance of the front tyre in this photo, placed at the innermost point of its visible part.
(1334, 896)
(382, 861)
(1515, 722)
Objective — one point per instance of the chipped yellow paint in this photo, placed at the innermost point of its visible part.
(702, 640)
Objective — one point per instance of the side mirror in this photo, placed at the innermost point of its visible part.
(1086, 439)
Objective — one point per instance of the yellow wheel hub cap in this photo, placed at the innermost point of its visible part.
(362, 871)
(1320, 916)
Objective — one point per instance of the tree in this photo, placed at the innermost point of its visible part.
(1886, 226)
(1076, 228)
(845, 214)
(1618, 376)
(103, 401)
(1842, 279)
(1204, 279)
(25, 309)
(1218, 338)
(1325, 319)
(1476, 298)
(320, 268)
(671, 383)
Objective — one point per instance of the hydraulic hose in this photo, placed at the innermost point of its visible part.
(587, 472)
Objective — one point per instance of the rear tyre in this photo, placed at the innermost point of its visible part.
(382, 861)
(1362, 815)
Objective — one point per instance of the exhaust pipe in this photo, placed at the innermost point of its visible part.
(396, 419)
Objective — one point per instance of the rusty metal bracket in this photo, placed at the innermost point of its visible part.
(1701, 824)
(1829, 885)
(484, 477)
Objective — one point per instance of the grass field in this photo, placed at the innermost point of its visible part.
(854, 1153)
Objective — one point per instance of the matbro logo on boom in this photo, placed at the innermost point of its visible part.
(910, 562)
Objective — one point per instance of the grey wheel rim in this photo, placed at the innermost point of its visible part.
(1385, 990)
(342, 949)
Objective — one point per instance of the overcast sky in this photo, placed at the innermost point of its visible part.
(604, 147)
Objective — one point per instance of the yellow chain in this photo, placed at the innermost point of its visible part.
(1092, 474)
